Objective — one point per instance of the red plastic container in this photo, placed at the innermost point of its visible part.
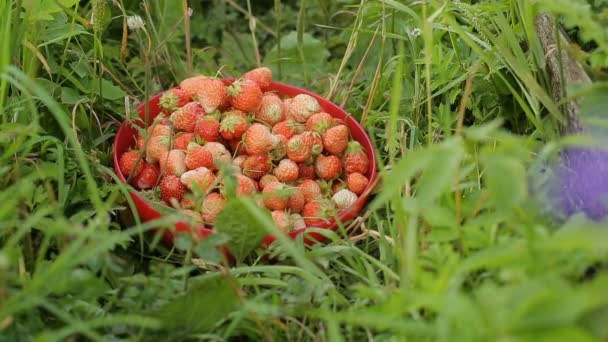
(125, 139)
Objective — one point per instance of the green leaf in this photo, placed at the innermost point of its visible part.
(292, 69)
(505, 177)
(244, 234)
(108, 90)
(438, 175)
(208, 301)
(69, 96)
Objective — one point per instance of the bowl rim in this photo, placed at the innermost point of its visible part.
(202, 230)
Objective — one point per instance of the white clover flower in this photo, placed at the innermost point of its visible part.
(190, 11)
(416, 32)
(135, 22)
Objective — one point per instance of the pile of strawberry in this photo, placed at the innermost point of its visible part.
(298, 161)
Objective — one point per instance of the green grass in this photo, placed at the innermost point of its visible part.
(452, 246)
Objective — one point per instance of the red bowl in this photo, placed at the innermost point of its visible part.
(125, 139)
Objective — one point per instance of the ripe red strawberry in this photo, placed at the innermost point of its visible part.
(357, 182)
(275, 196)
(130, 162)
(335, 139)
(280, 150)
(245, 95)
(259, 140)
(159, 129)
(310, 189)
(207, 128)
(286, 128)
(211, 94)
(198, 156)
(301, 107)
(328, 167)
(355, 159)
(256, 166)
(245, 186)
(181, 140)
(287, 171)
(316, 213)
(173, 99)
(219, 152)
(148, 177)
(319, 123)
(157, 146)
(262, 76)
(267, 179)
(299, 148)
(344, 198)
(271, 110)
(296, 200)
(233, 127)
(185, 118)
(173, 163)
(201, 179)
(192, 85)
(171, 188)
(281, 220)
(306, 171)
(212, 205)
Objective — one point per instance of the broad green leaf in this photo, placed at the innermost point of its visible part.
(108, 89)
(505, 177)
(208, 301)
(438, 175)
(244, 234)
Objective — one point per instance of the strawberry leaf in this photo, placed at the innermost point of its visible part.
(244, 234)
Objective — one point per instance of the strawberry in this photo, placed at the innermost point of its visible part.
(237, 147)
(256, 166)
(192, 85)
(299, 148)
(181, 140)
(233, 111)
(245, 95)
(212, 205)
(185, 118)
(315, 213)
(245, 186)
(280, 150)
(148, 176)
(319, 123)
(296, 201)
(157, 146)
(139, 141)
(201, 179)
(286, 128)
(344, 198)
(188, 201)
(297, 222)
(259, 140)
(198, 156)
(356, 182)
(171, 188)
(219, 152)
(310, 189)
(301, 107)
(355, 159)
(335, 139)
(281, 220)
(238, 161)
(271, 110)
(316, 143)
(211, 93)
(267, 179)
(207, 128)
(192, 214)
(173, 99)
(159, 129)
(306, 171)
(286, 171)
(328, 167)
(275, 196)
(172, 162)
(262, 76)
(233, 127)
(131, 164)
